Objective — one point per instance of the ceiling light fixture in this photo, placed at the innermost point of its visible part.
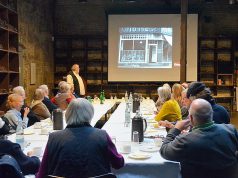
(231, 2)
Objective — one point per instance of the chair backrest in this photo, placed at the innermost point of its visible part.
(108, 175)
(9, 167)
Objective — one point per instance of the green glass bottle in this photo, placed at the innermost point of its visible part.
(103, 94)
(101, 98)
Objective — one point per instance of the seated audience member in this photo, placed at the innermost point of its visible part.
(32, 117)
(73, 92)
(4, 127)
(38, 107)
(167, 86)
(28, 164)
(185, 104)
(15, 103)
(64, 96)
(177, 93)
(199, 90)
(46, 99)
(185, 85)
(80, 150)
(170, 109)
(208, 150)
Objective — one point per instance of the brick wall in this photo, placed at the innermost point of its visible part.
(36, 46)
(72, 17)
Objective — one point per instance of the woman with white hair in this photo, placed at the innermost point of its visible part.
(170, 109)
(64, 96)
(80, 150)
(38, 107)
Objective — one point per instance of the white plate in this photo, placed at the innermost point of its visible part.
(149, 148)
(151, 131)
(44, 133)
(151, 121)
(139, 155)
(157, 128)
(28, 132)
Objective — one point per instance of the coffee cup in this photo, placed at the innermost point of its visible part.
(158, 142)
(126, 148)
(36, 151)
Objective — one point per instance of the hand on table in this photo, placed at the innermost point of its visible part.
(30, 153)
(166, 124)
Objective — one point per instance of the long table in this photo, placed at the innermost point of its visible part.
(34, 138)
(155, 166)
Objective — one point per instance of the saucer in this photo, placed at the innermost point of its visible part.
(28, 132)
(139, 155)
(149, 148)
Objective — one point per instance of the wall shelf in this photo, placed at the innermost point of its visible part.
(9, 59)
(216, 67)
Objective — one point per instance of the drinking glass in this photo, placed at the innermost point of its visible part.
(135, 137)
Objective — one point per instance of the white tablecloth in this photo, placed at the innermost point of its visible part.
(34, 138)
(154, 167)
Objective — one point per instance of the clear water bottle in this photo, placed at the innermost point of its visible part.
(130, 101)
(127, 115)
(20, 134)
(126, 97)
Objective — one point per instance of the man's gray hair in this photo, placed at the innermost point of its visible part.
(201, 110)
(79, 111)
(39, 94)
(64, 87)
(45, 89)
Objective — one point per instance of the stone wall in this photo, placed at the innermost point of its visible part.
(35, 43)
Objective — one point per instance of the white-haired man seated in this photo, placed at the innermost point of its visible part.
(31, 115)
(46, 99)
(209, 150)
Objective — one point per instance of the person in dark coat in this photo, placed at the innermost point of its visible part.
(199, 90)
(209, 150)
(28, 164)
(80, 150)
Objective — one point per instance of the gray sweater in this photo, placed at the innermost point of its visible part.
(13, 117)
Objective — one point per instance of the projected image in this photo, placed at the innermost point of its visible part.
(145, 47)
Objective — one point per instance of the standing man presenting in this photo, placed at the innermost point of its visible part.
(76, 81)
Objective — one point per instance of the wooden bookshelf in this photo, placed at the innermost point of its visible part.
(9, 58)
